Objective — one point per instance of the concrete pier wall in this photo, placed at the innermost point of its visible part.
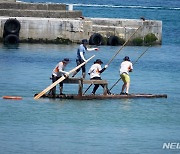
(77, 29)
(51, 22)
(8, 0)
(124, 28)
(42, 10)
(40, 13)
(51, 28)
(31, 6)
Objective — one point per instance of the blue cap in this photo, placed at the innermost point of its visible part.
(66, 60)
(98, 61)
(126, 58)
(84, 41)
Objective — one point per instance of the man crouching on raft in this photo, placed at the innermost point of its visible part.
(95, 72)
(125, 67)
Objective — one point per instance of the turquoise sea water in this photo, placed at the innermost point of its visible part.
(124, 126)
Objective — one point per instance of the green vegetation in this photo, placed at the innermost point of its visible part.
(62, 41)
(149, 39)
(56, 41)
(137, 41)
(104, 40)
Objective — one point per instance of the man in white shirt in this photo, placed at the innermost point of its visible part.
(125, 67)
(95, 72)
(81, 56)
(58, 72)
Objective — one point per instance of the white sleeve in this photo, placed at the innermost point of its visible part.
(82, 56)
(61, 68)
(63, 72)
(92, 49)
(131, 66)
(99, 68)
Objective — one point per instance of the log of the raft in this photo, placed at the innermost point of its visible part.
(114, 96)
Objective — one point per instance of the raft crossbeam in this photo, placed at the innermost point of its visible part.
(82, 81)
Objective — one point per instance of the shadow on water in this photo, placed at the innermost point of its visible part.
(11, 46)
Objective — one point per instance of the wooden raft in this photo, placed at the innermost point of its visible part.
(80, 95)
(101, 97)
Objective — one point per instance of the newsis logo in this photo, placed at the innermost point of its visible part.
(171, 146)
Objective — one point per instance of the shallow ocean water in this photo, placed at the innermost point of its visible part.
(97, 126)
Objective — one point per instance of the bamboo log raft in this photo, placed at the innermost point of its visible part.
(80, 95)
(101, 97)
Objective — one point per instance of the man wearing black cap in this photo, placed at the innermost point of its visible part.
(95, 72)
(81, 56)
(125, 68)
(58, 72)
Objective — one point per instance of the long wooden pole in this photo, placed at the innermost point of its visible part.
(87, 89)
(133, 64)
(122, 46)
(61, 79)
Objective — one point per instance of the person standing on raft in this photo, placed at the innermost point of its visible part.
(95, 72)
(81, 56)
(125, 67)
(58, 72)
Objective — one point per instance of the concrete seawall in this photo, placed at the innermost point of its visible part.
(124, 28)
(43, 24)
(32, 6)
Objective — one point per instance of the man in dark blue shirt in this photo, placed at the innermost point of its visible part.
(81, 56)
